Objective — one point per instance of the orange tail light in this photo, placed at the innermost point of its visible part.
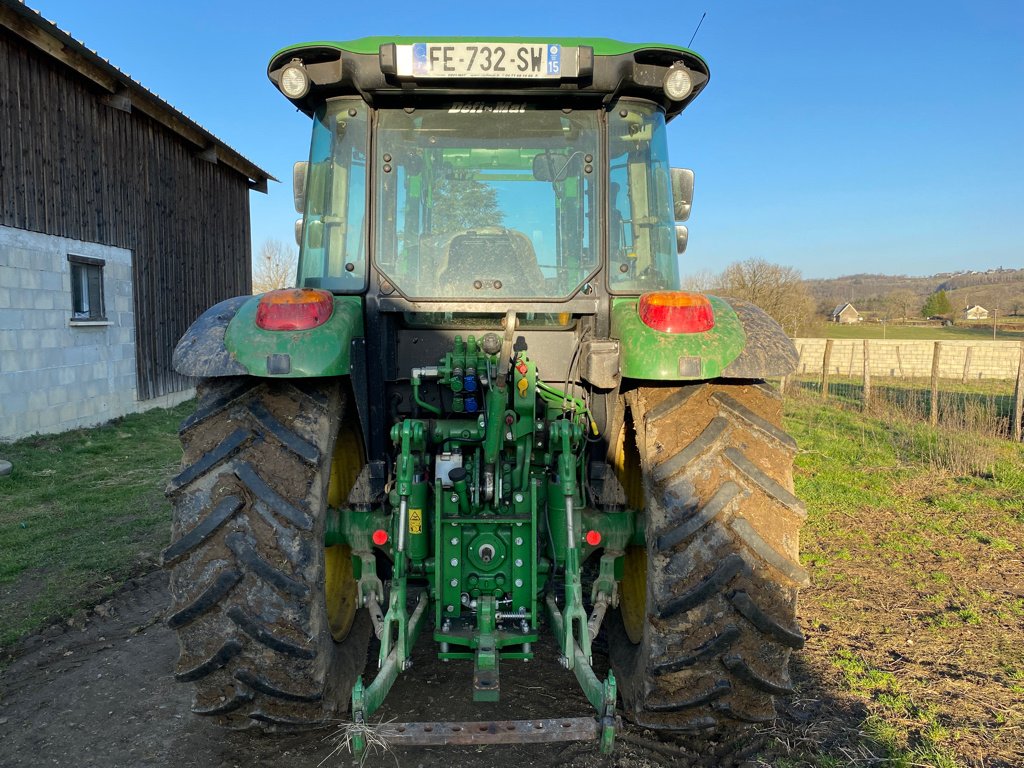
(294, 309)
(676, 312)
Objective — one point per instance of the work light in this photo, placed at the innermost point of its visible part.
(294, 80)
(677, 84)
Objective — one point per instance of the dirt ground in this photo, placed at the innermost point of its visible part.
(99, 692)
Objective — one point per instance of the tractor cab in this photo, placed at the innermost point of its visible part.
(489, 172)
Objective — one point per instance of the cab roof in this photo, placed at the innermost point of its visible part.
(605, 69)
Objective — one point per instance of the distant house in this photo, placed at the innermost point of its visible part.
(121, 220)
(845, 313)
(975, 312)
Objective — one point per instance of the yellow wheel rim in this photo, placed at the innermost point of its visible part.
(339, 581)
(339, 589)
(633, 593)
(633, 589)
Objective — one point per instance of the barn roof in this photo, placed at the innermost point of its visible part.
(123, 92)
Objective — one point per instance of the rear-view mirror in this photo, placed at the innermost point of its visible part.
(681, 237)
(682, 192)
(553, 166)
(299, 185)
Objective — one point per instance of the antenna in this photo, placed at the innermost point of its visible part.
(697, 29)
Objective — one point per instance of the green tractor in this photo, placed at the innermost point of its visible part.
(487, 411)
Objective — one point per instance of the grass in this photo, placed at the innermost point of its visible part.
(914, 539)
(921, 332)
(81, 512)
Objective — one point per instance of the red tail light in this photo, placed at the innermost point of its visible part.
(294, 309)
(676, 312)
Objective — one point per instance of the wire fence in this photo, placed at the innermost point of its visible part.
(971, 386)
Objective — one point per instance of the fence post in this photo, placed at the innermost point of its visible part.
(826, 360)
(967, 364)
(867, 376)
(936, 356)
(1018, 396)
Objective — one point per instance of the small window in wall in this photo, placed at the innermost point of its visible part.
(87, 288)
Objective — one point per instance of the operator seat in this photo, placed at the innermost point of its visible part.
(502, 261)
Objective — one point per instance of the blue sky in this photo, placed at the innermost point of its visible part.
(835, 137)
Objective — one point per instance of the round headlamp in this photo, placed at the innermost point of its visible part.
(294, 80)
(678, 84)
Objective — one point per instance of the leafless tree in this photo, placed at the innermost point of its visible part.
(776, 289)
(900, 304)
(274, 267)
(702, 281)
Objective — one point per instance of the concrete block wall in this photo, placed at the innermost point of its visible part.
(959, 359)
(57, 374)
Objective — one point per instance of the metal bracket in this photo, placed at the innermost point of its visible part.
(490, 732)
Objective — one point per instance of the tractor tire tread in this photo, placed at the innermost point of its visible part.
(716, 644)
(246, 557)
(763, 481)
(719, 689)
(208, 599)
(762, 425)
(722, 499)
(748, 533)
(694, 451)
(206, 528)
(722, 574)
(767, 625)
(259, 684)
(216, 661)
(711, 585)
(247, 473)
(742, 670)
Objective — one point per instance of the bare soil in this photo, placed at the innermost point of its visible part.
(98, 691)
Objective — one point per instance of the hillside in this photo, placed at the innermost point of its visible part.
(1001, 289)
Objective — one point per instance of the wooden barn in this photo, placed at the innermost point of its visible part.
(121, 220)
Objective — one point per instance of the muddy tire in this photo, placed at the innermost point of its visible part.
(246, 558)
(705, 630)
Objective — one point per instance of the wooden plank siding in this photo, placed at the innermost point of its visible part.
(74, 167)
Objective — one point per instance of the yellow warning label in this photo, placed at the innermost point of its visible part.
(415, 521)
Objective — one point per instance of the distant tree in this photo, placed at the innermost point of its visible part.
(937, 304)
(275, 267)
(899, 304)
(702, 281)
(776, 289)
(460, 202)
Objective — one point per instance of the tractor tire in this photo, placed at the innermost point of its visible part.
(247, 556)
(707, 614)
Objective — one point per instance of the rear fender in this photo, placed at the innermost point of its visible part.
(744, 343)
(225, 341)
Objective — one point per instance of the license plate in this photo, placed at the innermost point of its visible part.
(489, 60)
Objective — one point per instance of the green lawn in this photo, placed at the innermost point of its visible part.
(81, 512)
(917, 332)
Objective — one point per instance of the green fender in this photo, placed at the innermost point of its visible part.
(225, 341)
(745, 343)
